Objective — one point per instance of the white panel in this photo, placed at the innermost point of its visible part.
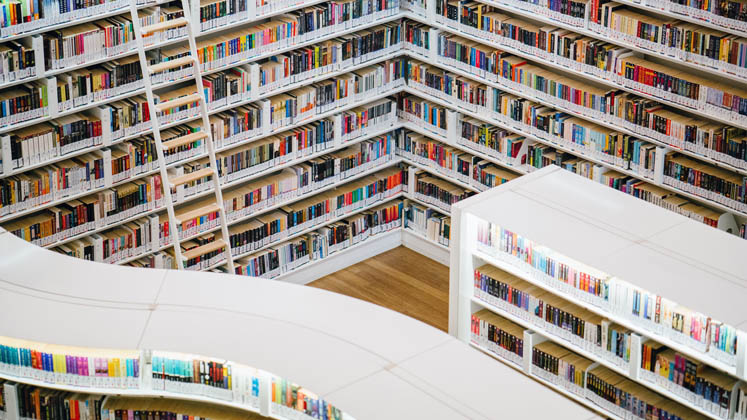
(60, 322)
(384, 396)
(713, 250)
(549, 226)
(35, 268)
(679, 280)
(304, 355)
(605, 206)
(380, 331)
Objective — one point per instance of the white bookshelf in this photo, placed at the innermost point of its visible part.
(368, 354)
(600, 230)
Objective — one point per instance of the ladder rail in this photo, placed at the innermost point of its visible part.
(206, 126)
(166, 186)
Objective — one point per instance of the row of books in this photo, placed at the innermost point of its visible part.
(498, 335)
(694, 381)
(581, 328)
(333, 55)
(622, 24)
(142, 236)
(600, 142)
(287, 395)
(71, 366)
(360, 48)
(428, 223)
(586, 55)
(626, 112)
(715, 99)
(649, 159)
(729, 15)
(68, 43)
(321, 97)
(196, 375)
(30, 15)
(299, 215)
(453, 162)
(299, 26)
(302, 141)
(641, 308)
(376, 79)
(130, 116)
(330, 239)
(287, 400)
(17, 61)
(517, 152)
(596, 141)
(560, 367)
(423, 113)
(105, 208)
(105, 38)
(541, 155)
(438, 192)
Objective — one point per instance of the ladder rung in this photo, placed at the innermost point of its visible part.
(162, 106)
(204, 249)
(181, 141)
(171, 64)
(202, 211)
(192, 176)
(162, 26)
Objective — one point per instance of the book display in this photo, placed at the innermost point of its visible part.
(45, 382)
(624, 341)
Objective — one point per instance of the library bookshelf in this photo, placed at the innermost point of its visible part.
(562, 246)
(346, 359)
(47, 179)
(382, 83)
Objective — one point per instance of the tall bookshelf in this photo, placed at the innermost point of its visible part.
(605, 283)
(248, 96)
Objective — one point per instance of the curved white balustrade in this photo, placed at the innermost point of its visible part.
(371, 362)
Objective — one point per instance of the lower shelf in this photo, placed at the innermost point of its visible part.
(422, 245)
(575, 397)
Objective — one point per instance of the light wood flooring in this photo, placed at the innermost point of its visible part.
(401, 280)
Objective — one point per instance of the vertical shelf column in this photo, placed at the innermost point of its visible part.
(451, 126)
(52, 101)
(461, 273)
(11, 402)
(636, 349)
(531, 339)
(265, 393)
(37, 43)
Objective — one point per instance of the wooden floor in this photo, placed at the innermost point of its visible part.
(401, 280)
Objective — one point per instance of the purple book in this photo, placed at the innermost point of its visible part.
(83, 365)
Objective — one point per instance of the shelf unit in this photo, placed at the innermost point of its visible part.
(259, 403)
(378, 359)
(609, 230)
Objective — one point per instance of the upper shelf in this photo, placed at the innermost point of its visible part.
(625, 237)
